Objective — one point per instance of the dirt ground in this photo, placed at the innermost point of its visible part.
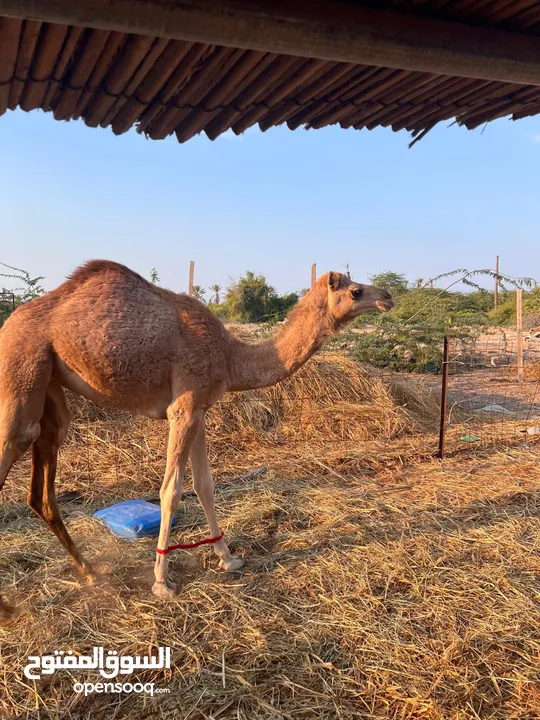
(489, 390)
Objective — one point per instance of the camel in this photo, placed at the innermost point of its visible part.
(110, 335)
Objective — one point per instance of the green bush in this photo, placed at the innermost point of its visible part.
(411, 336)
(411, 347)
(252, 299)
(505, 313)
(395, 283)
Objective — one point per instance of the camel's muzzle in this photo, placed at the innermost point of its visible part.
(384, 305)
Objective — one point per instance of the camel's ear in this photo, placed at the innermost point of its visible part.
(334, 280)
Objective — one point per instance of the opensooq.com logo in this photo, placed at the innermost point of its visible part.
(109, 665)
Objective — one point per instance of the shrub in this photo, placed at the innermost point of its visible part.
(411, 347)
(252, 299)
(395, 283)
(505, 313)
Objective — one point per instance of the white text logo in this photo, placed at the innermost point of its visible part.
(109, 664)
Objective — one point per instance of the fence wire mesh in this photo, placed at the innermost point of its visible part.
(487, 403)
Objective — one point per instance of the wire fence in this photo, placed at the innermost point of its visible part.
(488, 404)
(485, 394)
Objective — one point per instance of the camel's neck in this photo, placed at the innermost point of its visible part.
(267, 363)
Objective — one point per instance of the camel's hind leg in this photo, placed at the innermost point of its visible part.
(19, 428)
(25, 371)
(9, 455)
(42, 497)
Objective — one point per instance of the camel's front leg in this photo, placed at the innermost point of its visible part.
(204, 487)
(183, 425)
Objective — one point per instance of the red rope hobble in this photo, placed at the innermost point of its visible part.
(189, 546)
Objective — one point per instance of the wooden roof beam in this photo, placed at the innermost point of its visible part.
(319, 29)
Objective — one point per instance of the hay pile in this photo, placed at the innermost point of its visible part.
(332, 396)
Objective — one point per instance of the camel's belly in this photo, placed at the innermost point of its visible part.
(110, 395)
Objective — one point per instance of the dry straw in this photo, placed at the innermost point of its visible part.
(376, 585)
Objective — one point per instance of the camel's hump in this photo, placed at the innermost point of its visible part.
(94, 267)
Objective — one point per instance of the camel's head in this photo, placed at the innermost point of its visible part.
(348, 299)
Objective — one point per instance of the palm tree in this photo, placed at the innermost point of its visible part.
(216, 289)
(198, 292)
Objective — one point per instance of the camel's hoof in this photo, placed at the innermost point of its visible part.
(93, 578)
(235, 563)
(165, 590)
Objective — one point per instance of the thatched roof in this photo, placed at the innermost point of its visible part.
(184, 67)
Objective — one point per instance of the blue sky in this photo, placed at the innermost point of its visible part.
(271, 202)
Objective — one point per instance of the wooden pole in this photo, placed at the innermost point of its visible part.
(313, 274)
(496, 295)
(191, 274)
(519, 331)
(324, 30)
(444, 396)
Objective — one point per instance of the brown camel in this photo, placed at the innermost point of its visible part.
(120, 341)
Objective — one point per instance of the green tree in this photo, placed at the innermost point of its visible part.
(250, 299)
(284, 304)
(199, 292)
(395, 283)
(216, 289)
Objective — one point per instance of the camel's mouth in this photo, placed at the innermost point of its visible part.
(384, 305)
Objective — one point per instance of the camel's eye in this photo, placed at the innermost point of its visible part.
(357, 293)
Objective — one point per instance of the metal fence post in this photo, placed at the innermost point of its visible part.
(444, 395)
(519, 335)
